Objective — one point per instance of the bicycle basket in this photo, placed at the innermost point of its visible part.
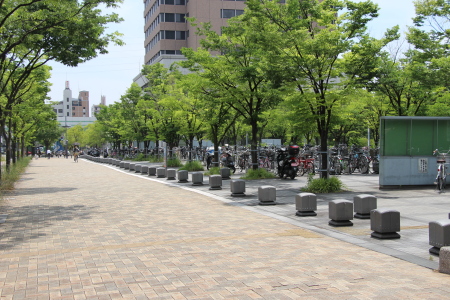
(442, 157)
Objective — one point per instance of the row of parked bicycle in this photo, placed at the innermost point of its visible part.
(294, 161)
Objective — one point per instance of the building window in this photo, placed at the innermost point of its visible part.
(172, 17)
(68, 114)
(73, 114)
(60, 111)
(173, 35)
(172, 2)
(67, 106)
(67, 99)
(229, 13)
(180, 35)
(73, 107)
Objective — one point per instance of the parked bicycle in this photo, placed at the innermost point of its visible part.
(441, 170)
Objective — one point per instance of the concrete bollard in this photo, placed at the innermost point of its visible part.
(171, 174)
(439, 235)
(340, 212)
(137, 168)
(385, 223)
(215, 182)
(237, 187)
(363, 204)
(182, 176)
(144, 169)
(197, 178)
(152, 171)
(121, 164)
(160, 172)
(132, 166)
(225, 173)
(444, 260)
(306, 204)
(267, 195)
(126, 165)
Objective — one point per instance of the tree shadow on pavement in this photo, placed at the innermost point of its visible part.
(42, 190)
(29, 222)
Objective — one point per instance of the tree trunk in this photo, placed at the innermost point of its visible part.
(14, 150)
(191, 143)
(22, 147)
(215, 140)
(8, 147)
(254, 145)
(324, 154)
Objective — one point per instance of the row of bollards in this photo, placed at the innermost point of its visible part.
(385, 223)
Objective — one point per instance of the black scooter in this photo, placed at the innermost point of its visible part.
(287, 165)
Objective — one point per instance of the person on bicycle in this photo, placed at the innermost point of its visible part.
(76, 152)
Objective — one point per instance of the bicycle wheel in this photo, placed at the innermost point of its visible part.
(364, 165)
(310, 168)
(440, 184)
(337, 167)
(353, 164)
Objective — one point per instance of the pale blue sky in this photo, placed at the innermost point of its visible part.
(112, 74)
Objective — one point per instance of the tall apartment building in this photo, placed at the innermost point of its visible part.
(72, 107)
(167, 31)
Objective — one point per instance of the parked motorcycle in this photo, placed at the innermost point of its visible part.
(287, 164)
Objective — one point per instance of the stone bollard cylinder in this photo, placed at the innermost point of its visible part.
(237, 187)
(340, 212)
(160, 172)
(439, 235)
(385, 223)
(363, 204)
(306, 204)
(183, 176)
(197, 178)
(267, 195)
(152, 171)
(225, 173)
(215, 182)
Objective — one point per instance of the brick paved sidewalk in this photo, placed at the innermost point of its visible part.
(84, 231)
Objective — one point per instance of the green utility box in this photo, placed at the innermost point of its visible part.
(406, 149)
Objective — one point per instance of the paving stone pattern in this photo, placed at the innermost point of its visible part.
(87, 231)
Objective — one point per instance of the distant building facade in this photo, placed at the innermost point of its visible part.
(97, 107)
(72, 107)
(167, 31)
(73, 111)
